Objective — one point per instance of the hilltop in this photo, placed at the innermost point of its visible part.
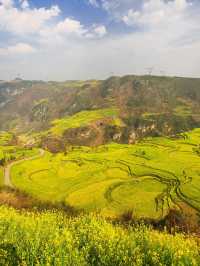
(120, 109)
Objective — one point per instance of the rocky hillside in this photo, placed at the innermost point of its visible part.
(144, 105)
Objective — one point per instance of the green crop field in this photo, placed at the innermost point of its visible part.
(148, 177)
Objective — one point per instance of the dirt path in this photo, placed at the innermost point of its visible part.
(7, 170)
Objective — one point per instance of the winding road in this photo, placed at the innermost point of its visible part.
(7, 170)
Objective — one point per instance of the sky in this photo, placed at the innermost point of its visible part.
(95, 39)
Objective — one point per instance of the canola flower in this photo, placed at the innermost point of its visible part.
(50, 238)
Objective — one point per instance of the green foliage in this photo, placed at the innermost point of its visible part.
(52, 239)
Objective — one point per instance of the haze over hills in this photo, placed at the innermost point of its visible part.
(139, 106)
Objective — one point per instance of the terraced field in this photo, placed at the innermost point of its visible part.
(10, 152)
(148, 177)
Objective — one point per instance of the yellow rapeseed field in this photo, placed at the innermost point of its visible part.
(50, 238)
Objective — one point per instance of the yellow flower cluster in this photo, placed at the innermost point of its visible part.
(50, 238)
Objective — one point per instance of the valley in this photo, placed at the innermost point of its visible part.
(125, 144)
(149, 178)
(100, 172)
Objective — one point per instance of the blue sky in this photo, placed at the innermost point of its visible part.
(79, 9)
(84, 39)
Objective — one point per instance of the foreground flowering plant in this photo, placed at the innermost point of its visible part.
(50, 238)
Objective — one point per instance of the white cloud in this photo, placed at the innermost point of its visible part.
(96, 31)
(24, 4)
(26, 20)
(161, 33)
(6, 3)
(157, 12)
(94, 3)
(116, 8)
(43, 22)
(100, 31)
(19, 48)
(69, 30)
(70, 26)
(62, 32)
(181, 4)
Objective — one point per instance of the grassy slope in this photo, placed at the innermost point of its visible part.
(81, 119)
(115, 178)
(51, 239)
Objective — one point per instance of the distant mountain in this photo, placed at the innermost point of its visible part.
(144, 106)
